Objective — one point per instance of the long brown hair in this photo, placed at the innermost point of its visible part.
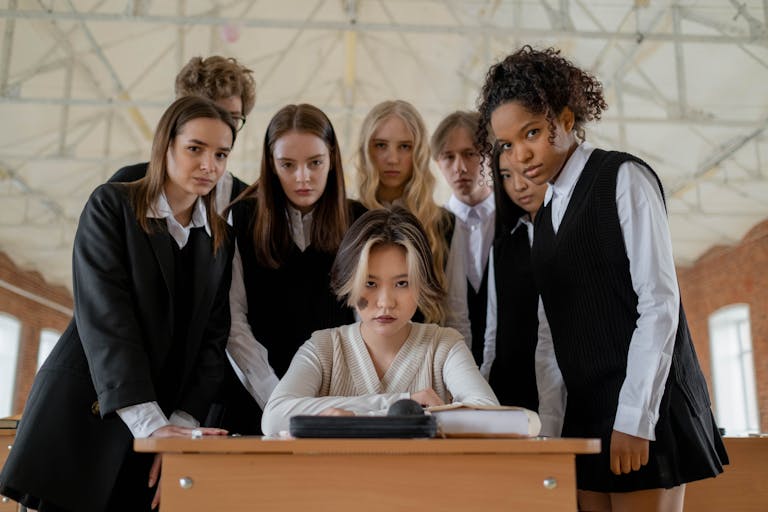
(271, 229)
(144, 192)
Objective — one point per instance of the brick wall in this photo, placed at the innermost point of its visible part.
(729, 275)
(37, 305)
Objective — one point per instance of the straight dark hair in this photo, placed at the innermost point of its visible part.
(507, 211)
(271, 229)
(144, 192)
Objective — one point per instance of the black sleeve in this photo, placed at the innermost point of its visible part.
(130, 173)
(105, 309)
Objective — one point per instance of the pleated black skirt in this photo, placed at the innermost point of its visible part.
(688, 447)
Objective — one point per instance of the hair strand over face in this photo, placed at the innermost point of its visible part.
(145, 192)
(388, 226)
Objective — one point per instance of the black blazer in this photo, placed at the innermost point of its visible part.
(71, 443)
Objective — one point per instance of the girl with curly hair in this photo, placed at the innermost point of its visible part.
(614, 358)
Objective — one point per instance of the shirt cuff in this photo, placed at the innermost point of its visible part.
(635, 422)
(143, 419)
(183, 419)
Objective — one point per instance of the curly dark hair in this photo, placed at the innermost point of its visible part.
(544, 83)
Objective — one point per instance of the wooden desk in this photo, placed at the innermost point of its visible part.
(742, 487)
(248, 473)
(6, 440)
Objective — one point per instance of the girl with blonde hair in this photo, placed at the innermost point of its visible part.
(393, 168)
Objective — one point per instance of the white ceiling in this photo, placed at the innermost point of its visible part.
(83, 82)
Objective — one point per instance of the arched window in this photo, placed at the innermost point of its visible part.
(48, 338)
(733, 369)
(10, 337)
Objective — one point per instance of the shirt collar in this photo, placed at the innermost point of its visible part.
(524, 220)
(162, 210)
(563, 187)
(484, 208)
(294, 213)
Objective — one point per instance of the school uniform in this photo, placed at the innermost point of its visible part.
(477, 224)
(619, 344)
(147, 340)
(274, 311)
(228, 188)
(512, 325)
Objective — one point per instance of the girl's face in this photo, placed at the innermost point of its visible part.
(388, 300)
(523, 192)
(391, 148)
(525, 137)
(196, 159)
(302, 162)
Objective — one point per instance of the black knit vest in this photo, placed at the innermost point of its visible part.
(582, 273)
(285, 305)
(477, 303)
(171, 376)
(513, 373)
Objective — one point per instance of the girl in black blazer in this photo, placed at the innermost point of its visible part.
(144, 353)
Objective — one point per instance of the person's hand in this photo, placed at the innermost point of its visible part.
(335, 411)
(174, 431)
(177, 431)
(427, 398)
(154, 475)
(628, 453)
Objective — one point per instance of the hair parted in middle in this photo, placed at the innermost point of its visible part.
(388, 226)
(271, 229)
(144, 192)
(458, 119)
(417, 196)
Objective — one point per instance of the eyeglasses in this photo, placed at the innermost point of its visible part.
(239, 122)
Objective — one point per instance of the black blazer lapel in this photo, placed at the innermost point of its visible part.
(161, 245)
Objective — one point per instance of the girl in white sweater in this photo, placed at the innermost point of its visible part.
(383, 269)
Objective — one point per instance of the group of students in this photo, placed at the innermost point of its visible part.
(546, 282)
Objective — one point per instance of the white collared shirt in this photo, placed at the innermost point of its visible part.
(645, 230)
(478, 224)
(143, 419)
(301, 227)
(162, 210)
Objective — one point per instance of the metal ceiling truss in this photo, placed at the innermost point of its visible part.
(642, 25)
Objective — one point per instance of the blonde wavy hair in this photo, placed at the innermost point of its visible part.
(417, 196)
